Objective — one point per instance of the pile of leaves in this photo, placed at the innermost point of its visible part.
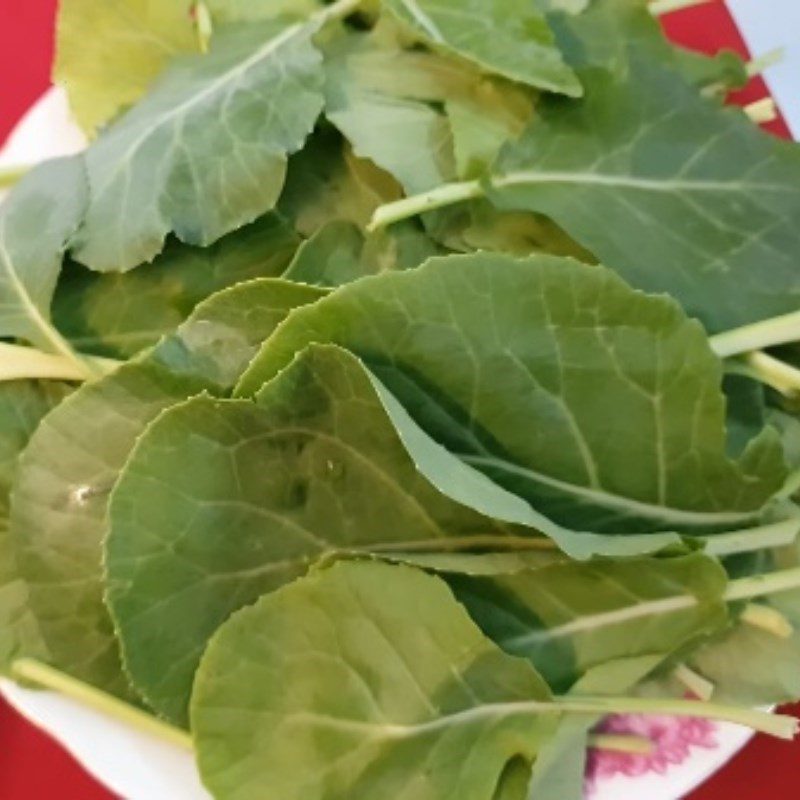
(393, 389)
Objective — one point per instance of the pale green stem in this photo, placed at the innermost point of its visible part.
(699, 686)
(762, 111)
(784, 727)
(441, 197)
(773, 372)
(9, 176)
(204, 25)
(791, 485)
(759, 65)
(636, 745)
(776, 534)
(767, 619)
(761, 585)
(757, 336)
(46, 677)
(659, 7)
(18, 362)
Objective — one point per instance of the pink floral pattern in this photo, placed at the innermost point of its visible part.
(673, 737)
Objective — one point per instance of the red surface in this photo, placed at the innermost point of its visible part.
(32, 767)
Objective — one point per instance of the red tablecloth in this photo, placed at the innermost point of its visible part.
(32, 767)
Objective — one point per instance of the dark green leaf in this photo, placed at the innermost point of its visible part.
(535, 371)
(222, 501)
(58, 516)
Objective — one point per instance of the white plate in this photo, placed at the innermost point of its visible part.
(137, 766)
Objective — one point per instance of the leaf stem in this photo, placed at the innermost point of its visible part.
(761, 585)
(47, 677)
(759, 65)
(771, 371)
(18, 362)
(762, 111)
(699, 686)
(659, 7)
(767, 619)
(784, 727)
(775, 534)
(9, 176)
(445, 195)
(757, 336)
(620, 743)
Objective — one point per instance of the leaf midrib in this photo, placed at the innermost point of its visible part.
(614, 501)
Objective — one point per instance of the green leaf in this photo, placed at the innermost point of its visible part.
(568, 618)
(60, 498)
(36, 221)
(479, 348)
(22, 405)
(675, 193)
(335, 684)
(107, 54)
(119, 315)
(747, 664)
(328, 183)
(340, 253)
(315, 466)
(507, 37)
(379, 97)
(205, 152)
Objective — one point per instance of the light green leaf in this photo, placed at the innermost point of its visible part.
(222, 501)
(675, 193)
(36, 221)
(507, 37)
(22, 405)
(533, 371)
(60, 498)
(569, 618)
(332, 686)
(378, 97)
(108, 53)
(119, 315)
(205, 152)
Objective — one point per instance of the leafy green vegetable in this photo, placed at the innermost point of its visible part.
(372, 455)
(60, 498)
(129, 43)
(349, 676)
(119, 315)
(36, 222)
(205, 152)
(509, 37)
(314, 466)
(712, 225)
(472, 346)
(22, 405)
(569, 618)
